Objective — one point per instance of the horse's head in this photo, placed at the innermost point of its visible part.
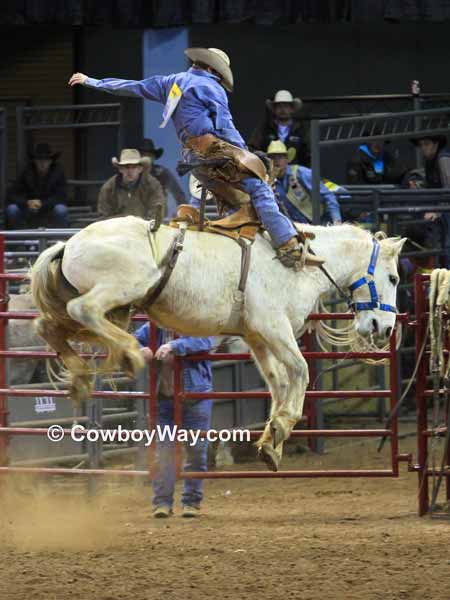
(374, 292)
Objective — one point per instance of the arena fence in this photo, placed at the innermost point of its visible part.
(326, 133)
(311, 433)
(426, 435)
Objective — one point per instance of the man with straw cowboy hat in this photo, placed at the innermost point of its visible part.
(133, 191)
(197, 103)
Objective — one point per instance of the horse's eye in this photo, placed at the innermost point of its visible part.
(393, 279)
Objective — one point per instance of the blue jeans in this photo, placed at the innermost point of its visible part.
(263, 200)
(196, 415)
(18, 217)
(278, 225)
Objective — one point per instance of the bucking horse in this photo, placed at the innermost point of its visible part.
(85, 290)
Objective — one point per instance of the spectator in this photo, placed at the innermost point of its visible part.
(166, 178)
(197, 377)
(293, 186)
(373, 165)
(133, 191)
(437, 175)
(39, 195)
(283, 123)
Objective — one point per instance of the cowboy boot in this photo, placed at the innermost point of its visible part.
(294, 255)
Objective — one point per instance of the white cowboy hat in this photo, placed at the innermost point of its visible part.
(285, 96)
(277, 147)
(217, 60)
(130, 156)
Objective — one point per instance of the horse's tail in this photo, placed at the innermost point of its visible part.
(46, 289)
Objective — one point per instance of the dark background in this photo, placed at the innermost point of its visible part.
(309, 59)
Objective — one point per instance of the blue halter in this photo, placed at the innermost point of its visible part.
(368, 279)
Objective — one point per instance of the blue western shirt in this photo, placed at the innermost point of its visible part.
(197, 375)
(203, 107)
(304, 178)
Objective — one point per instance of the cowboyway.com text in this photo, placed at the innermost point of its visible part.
(166, 433)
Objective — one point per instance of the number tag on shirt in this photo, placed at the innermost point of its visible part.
(172, 102)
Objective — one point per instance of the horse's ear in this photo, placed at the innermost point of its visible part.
(394, 245)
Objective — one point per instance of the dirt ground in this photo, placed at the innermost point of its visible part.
(267, 539)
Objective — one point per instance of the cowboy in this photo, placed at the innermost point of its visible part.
(283, 123)
(133, 191)
(293, 186)
(372, 164)
(39, 195)
(437, 175)
(196, 416)
(197, 103)
(165, 177)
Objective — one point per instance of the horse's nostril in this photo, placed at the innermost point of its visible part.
(388, 332)
(374, 326)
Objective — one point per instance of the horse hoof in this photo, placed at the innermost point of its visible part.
(269, 456)
(277, 432)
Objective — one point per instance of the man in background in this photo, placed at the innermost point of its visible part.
(132, 191)
(372, 164)
(293, 186)
(196, 416)
(283, 123)
(38, 197)
(436, 159)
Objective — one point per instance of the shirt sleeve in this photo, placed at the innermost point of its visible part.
(105, 204)
(143, 334)
(153, 88)
(444, 170)
(191, 345)
(304, 177)
(155, 199)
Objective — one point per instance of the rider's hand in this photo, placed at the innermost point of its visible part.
(77, 78)
(164, 352)
(147, 354)
(431, 216)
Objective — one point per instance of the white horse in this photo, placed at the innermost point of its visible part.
(83, 290)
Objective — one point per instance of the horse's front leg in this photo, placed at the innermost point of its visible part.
(286, 372)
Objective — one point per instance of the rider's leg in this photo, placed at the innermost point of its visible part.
(278, 225)
(284, 236)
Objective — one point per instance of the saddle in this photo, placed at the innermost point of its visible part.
(242, 223)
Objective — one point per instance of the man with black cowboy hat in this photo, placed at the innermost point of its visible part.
(437, 175)
(283, 123)
(197, 103)
(165, 177)
(39, 195)
(133, 191)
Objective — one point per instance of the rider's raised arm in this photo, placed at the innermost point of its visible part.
(152, 88)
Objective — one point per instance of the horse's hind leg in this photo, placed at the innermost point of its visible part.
(90, 309)
(81, 379)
